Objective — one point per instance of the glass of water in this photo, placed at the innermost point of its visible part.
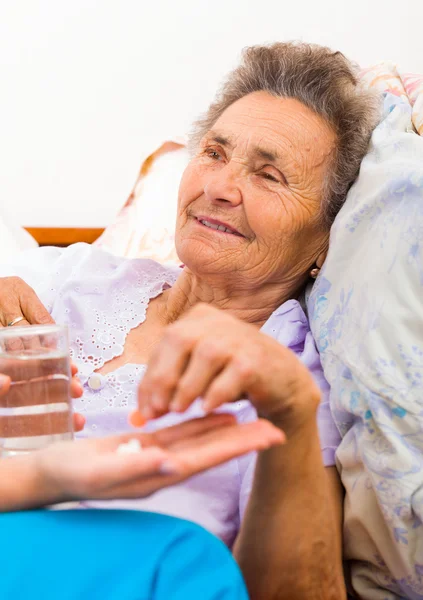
(37, 409)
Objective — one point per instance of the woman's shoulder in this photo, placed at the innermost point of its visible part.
(289, 325)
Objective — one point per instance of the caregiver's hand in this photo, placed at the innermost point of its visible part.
(93, 469)
(75, 390)
(211, 354)
(18, 299)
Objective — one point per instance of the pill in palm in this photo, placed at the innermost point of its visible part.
(131, 447)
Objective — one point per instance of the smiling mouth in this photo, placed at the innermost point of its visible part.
(218, 227)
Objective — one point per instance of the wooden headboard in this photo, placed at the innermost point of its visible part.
(64, 236)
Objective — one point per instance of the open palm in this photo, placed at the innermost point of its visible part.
(93, 469)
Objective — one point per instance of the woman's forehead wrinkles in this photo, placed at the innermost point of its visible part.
(268, 135)
(269, 148)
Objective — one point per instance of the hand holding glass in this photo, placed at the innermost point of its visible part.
(37, 409)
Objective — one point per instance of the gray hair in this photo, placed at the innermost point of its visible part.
(324, 81)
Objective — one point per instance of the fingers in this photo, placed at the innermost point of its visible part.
(23, 341)
(76, 391)
(14, 344)
(23, 323)
(33, 309)
(136, 419)
(78, 422)
(229, 384)
(76, 388)
(209, 373)
(164, 371)
(181, 371)
(181, 431)
(4, 384)
(20, 300)
(203, 452)
(189, 429)
(205, 363)
(220, 445)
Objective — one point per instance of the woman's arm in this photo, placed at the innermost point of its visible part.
(289, 546)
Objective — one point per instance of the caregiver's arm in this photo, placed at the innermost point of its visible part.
(93, 468)
(289, 546)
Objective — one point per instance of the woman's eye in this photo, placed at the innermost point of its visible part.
(213, 154)
(270, 177)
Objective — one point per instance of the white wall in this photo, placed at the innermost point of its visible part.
(88, 87)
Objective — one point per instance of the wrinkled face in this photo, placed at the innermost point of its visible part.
(250, 199)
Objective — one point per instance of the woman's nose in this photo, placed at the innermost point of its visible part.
(223, 187)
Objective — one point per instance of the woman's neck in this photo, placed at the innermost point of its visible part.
(253, 306)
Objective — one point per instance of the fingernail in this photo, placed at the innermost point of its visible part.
(3, 381)
(168, 468)
(136, 419)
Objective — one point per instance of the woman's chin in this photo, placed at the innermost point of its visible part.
(189, 249)
(203, 256)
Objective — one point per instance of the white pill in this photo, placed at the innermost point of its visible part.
(131, 447)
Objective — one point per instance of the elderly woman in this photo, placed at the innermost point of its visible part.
(273, 159)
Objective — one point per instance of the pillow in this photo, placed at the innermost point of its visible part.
(388, 77)
(144, 228)
(13, 239)
(366, 315)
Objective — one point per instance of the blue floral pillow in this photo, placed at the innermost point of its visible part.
(366, 313)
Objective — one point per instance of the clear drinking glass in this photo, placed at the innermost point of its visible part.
(37, 410)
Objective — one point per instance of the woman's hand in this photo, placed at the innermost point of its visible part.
(93, 469)
(213, 355)
(18, 299)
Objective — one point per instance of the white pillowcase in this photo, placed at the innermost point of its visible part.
(366, 312)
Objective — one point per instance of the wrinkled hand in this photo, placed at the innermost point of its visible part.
(18, 299)
(93, 469)
(211, 354)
